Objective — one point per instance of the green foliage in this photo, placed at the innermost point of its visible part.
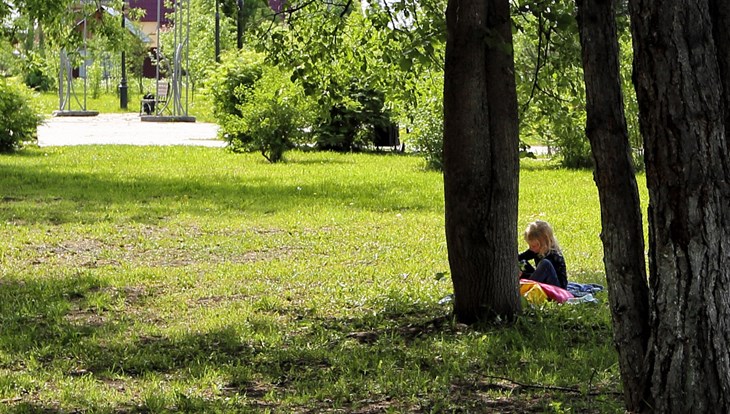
(550, 79)
(201, 49)
(360, 71)
(18, 119)
(428, 123)
(4, 9)
(257, 106)
(9, 62)
(631, 105)
(95, 73)
(36, 73)
(135, 54)
(355, 118)
(239, 69)
(397, 49)
(47, 11)
(272, 113)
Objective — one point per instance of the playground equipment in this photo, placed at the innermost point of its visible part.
(66, 91)
(174, 106)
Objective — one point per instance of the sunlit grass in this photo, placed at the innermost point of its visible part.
(182, 279)
(107, 101)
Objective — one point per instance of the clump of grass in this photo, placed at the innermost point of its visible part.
(178, 279)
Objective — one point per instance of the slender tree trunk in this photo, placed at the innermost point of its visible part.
(481, 164)
(41, 41)
(621, 223)
(30, 36)
(676, 74)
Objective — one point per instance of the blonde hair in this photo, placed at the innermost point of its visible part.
(540, 231)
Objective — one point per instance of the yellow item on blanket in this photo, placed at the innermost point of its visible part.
(533, 293)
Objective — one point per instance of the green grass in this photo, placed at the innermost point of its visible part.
(183, 279)
(108, 101)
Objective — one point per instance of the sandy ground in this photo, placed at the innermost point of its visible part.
(125, 129)
(128, 129)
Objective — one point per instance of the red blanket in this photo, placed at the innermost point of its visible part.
(552, 292)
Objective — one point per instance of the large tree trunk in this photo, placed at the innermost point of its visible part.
(720, 13)
(621, 222)
(681, 116)
(481, 164)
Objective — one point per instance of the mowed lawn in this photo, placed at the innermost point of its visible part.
(183, 279)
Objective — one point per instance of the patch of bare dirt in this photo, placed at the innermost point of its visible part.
(219, 299)
(254, 391)
(134, 248)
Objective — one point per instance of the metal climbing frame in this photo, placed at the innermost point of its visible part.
(66, 91)
(177, 102)
(67, 94)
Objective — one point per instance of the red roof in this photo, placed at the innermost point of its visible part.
(151, 7)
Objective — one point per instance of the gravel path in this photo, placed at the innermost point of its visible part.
(125, 129)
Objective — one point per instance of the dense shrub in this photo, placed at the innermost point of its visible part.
(568, 128)
(37, 72)
(9, 62)
(18, 120)
(272, 114)
(575, 152)
(237, 68)
(355, 118)
(225, 86)
(427, 128)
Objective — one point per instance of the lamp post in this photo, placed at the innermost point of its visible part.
(239, 25)
(217, 32)
(123, 83)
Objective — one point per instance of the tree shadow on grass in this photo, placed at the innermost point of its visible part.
(67, 197)
(364, 363)
(44, 316)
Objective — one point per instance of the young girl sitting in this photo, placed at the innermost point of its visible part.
(545, 251)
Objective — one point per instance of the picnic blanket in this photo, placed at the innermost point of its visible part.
(536, 292)
(580, 289)
(583, 292)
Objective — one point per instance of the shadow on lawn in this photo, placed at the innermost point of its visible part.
(52, 323)
(72, 197)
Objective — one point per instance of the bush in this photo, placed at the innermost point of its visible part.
(36, 73)
(9, 62)
(273, 115)
(561, 125)
(18, 120)
(574, 147)
(428, 132)
(354, 119)
(239, 69)
(427, 128)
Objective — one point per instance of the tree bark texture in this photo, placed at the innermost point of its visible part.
(621, 222)
(720, 13)
(481, 164)
(676, 75)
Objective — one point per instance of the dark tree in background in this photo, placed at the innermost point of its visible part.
(679, 84)
(621, 223)
(481, 164)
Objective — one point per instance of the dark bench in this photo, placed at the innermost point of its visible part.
(149, 102)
